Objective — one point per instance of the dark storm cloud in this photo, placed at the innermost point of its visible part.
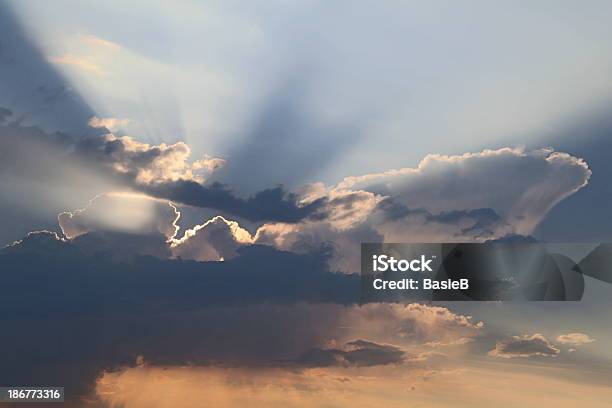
(357, 353)
(259, 274)
(273, 204)
(70, 310)
(122, 246)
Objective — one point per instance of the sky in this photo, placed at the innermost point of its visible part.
(185, 188)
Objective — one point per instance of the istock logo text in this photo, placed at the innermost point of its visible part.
(382, 263)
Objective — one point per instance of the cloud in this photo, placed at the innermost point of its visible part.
(38, 243)
(111, 124)
(273, 204)
(264, 307)
(339, 217)
(112, 245)
(390, 386)
(459, 342)
(123, 212)
(306, 236)
(336, 217)
(209, 163)
(141, 163)
(40, 178)
(417, 323)
(164, 171)
(344, 226)
(121, 215)
(102, 309)
(574, 339)
(346, 208)
(538, 180)
(258, 274)
(398, 223)
(524, 346)
(28, 151)
(444, 199)
(359, 353)
(216, 239)
(122, 246)
(110, 163)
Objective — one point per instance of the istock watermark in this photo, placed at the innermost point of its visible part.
(396, 272)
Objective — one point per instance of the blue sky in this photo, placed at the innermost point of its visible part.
(414, 77)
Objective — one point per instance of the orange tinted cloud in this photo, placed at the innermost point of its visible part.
(473, 387)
